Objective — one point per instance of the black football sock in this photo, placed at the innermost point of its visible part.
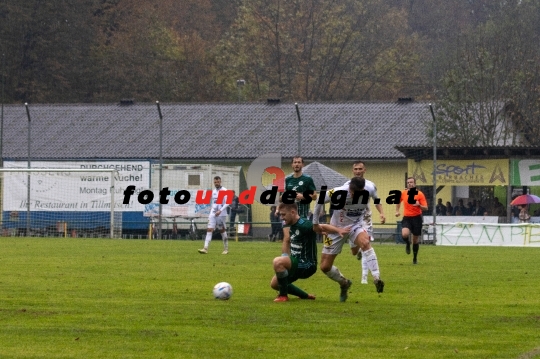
(415, 248)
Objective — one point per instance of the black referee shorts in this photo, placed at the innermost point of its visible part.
(414, 224)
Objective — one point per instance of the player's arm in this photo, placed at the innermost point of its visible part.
(398, 206)
(328, 228)
(422, 203)
(312, 187)
(300, 196)
(379, 206)
(381, 213)
(224, 208)
(318, 208)
(316, 214)
(215, 209)
(286, 245)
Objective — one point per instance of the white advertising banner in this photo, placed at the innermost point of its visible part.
(74, 191)
(462, 219)
(484, 234)
(173, 209)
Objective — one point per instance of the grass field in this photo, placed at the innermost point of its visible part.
(102, 298)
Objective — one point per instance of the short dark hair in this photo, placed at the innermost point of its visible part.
(358, 162)
(289, 206)
(295, 157)
(357, 184)
(217, 177)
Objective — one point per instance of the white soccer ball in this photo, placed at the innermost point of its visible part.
(223, 291)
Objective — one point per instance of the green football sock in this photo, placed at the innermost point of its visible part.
(283, 281)
(294, 290)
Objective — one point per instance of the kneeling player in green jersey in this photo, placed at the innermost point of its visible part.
(299, 258)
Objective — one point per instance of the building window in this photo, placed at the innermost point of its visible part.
(194, 180)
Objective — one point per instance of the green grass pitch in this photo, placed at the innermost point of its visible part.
(102, 298)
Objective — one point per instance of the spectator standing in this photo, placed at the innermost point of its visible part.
(524, 216)
(234, 210)
(275, 225)
(440, 208)
(459, 208)
(479, 210)
(449, 209)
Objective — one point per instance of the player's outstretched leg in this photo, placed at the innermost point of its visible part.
(344, 283)
(344, 290)
(225, 242)
(373, 265)
(294, 290)
(207, 241)
(283, 284)
(365, 270)
(407, 245)
(415, 248)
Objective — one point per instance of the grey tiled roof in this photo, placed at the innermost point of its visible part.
(214, 131)
(324, 176)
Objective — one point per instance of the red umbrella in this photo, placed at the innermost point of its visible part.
(525, 199)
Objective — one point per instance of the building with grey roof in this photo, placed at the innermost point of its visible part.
(214, 131)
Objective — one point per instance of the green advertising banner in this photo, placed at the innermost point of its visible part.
(525, 173)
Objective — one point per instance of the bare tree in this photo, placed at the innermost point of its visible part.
(491, 95)
(324, 50)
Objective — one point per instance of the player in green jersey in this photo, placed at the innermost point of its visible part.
(299, 182)
(299, 258)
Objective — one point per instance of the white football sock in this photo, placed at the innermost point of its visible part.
(372, 263)
(365, 268)
(335, 274)
(207, 239)
(225, 241)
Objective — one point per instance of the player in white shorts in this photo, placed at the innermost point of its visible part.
(351, 215)
(217, 218)
(359, 169)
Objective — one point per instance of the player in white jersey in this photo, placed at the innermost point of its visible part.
(350, 215)
(217, 217)
(359, 169)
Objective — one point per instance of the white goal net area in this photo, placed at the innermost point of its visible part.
(56, 202)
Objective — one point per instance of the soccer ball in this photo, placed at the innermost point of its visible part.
(223, 291)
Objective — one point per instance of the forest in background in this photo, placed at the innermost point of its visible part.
(458, 53)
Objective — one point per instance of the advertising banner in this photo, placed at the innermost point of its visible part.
(525, 172)
(173, 209)
(477, 234)
(461, 172)
(74, 191)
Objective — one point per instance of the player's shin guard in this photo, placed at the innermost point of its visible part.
(335, 275)
(208, 239)
(364, 267)
(225, 241)
(283, 282)
(415, 248)
(372, 263)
